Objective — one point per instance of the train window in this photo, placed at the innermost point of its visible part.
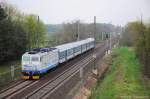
(26, 58)
(69, 52)
(43, 59)
(84, 47)
(62, 55)
(77, 49)
(35, 59)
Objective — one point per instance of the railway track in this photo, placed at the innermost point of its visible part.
(11, 86)
(47, 85)
(51, 85)
(15, 88)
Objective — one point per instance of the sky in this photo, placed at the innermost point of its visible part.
(117, 12)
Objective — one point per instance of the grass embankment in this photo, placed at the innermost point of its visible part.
(124, 78)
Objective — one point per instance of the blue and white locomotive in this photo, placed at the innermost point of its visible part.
(41, 60)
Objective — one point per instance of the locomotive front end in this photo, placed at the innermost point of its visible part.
(30, 66)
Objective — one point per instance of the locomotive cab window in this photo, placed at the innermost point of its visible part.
(35, 59)
(26, 58)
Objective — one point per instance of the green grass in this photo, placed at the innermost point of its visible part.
(124, 80)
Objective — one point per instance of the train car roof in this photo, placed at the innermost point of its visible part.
(42, 51)
(73, 44)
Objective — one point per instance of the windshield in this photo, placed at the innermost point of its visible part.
(26, 59)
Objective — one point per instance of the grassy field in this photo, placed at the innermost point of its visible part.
(124, 79)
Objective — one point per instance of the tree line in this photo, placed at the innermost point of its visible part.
(137, 34)
(18, 32)
(72, 31)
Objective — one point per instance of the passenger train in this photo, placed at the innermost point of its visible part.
(40, 61)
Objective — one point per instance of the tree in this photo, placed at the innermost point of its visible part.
(2, 17)
(2, 13)
(36, 32)
(18, 33)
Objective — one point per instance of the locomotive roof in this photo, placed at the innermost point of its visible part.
(39, 51)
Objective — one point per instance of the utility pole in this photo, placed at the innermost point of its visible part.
(78, 27)
(107, 42)
(94, 55)
(102, 36)
(95, 27)
(38, 34)
(110, 41)
(141, 18)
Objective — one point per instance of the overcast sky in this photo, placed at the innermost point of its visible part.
(117, 12)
